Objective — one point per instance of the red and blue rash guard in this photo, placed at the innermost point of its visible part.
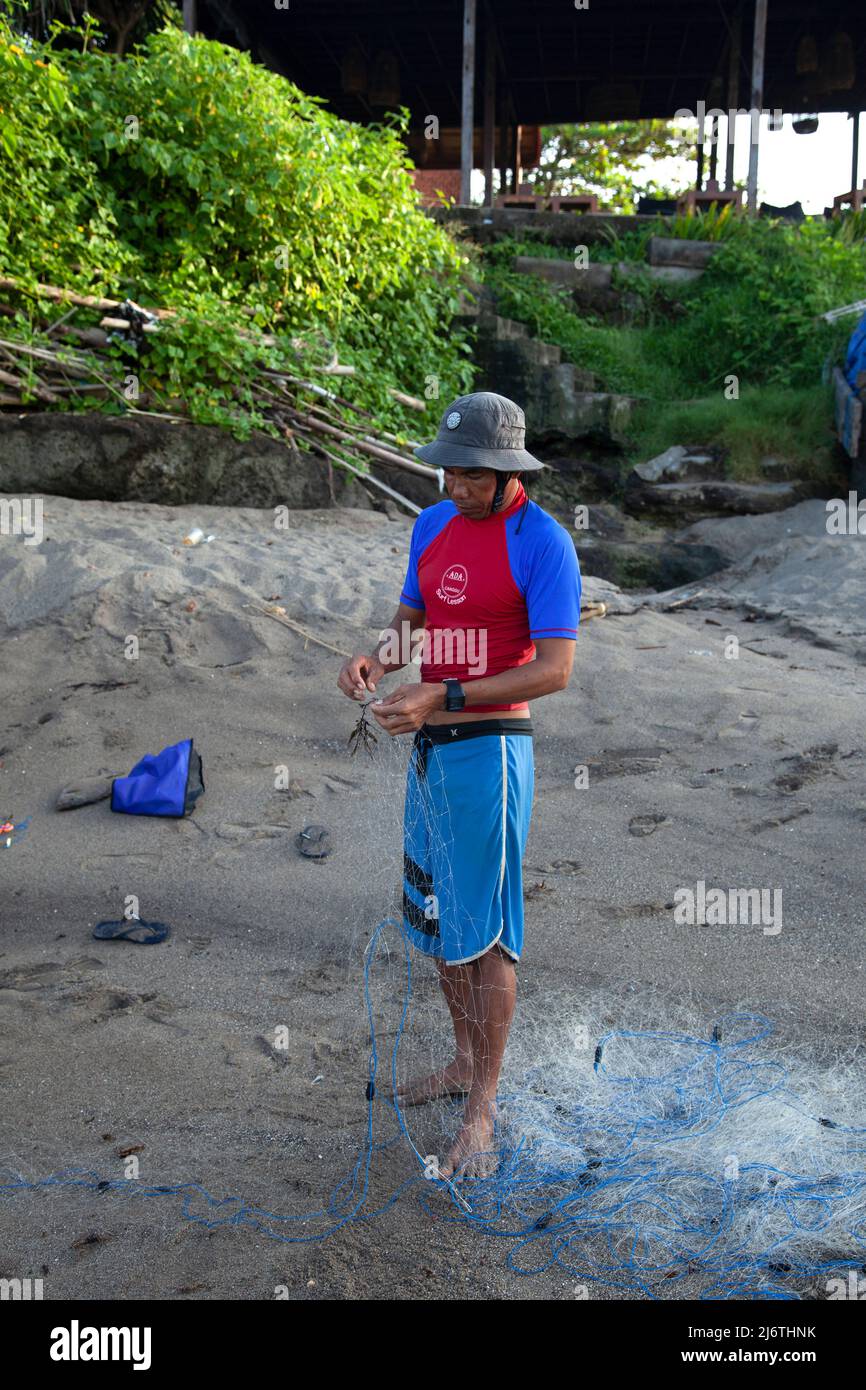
(490, 588)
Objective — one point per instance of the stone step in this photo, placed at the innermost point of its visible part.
(595, 276)
(505, 330)
(681, 252)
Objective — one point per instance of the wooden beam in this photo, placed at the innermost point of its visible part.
(467, 107)
(734, 57)
(190, 18)
(517, 131)
(759, 42)
(489, 113)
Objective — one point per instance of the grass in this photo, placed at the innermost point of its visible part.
(790, 425)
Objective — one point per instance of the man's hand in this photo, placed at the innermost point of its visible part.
(407, 708)
(360, 674)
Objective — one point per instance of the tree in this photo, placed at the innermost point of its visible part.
(610, 160)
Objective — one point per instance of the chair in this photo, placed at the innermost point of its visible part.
(711, 196)
(854, 199)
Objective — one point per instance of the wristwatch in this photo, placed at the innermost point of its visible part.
(455, 697)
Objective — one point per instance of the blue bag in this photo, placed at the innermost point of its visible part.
(855, 360)
(167, 784)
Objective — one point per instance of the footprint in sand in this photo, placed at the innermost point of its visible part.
(806, 767)
(645, 825)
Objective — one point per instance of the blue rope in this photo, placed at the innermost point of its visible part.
(613, 1210)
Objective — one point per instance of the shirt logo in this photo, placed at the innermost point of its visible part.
(453, 419)
(453, 583)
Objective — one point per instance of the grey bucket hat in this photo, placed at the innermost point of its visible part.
(481, 431)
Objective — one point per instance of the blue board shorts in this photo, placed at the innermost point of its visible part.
(469, 791)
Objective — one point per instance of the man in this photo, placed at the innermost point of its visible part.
(493, 585)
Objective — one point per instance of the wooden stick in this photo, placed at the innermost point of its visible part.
(120, 325)
(75, 367)
(412, 401)
(368, 477)
(296, 627)
(370, 438)
(36, 388)
(85, 301)
(384, 455)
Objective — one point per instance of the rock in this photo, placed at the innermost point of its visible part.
(650, 564)
(671, 274)
(559, 399)
(138, 459)
(734, 538)
(600, 591)
(606, 522)
(691, 500)
(576, 480)
(595, 276)
(678, 463)
(680, 251)
(632, 554)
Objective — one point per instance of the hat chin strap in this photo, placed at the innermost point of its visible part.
(502, 481)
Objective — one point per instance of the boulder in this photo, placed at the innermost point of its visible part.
(141, 459)
(631, 554)
(688, 501)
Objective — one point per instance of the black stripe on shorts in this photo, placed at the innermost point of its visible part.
(416, 918)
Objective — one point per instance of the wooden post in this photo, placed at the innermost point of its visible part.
(467, 112)
(515, 159)
(759, 40)
(503, 155)
(733, 95)
(489, 113)
(855, 149)
(714, 148)
(189, 16)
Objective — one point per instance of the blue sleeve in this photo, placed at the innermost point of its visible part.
(553, 586)
(411, 594)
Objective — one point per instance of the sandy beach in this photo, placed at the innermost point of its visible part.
(742, 771)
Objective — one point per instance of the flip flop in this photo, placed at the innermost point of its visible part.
(142, 933)
(314, 841)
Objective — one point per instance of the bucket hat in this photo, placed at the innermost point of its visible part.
(481, 431)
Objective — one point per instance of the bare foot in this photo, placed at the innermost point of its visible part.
(453, 1080)
(472, 1154)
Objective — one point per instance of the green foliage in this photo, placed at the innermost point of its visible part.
(186, 176)
(716, 223)
(753, 315)
(792, 425)
(613, 160)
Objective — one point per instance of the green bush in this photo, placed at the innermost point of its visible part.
(187, 176)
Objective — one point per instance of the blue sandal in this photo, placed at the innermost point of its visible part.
(133, 929)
